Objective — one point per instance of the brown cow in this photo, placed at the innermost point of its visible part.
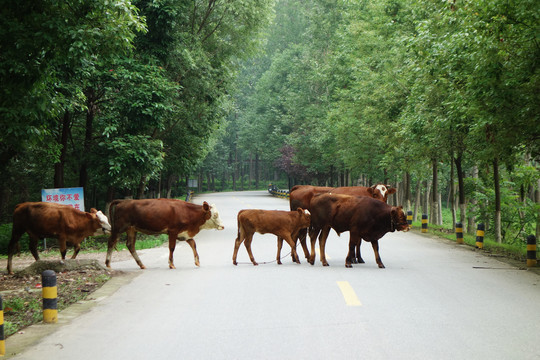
(364, 217)
(178, 219)
(284, 224)
(301, 195)
(377, 191)
(50, 220)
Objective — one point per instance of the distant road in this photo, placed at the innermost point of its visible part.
(434, 300)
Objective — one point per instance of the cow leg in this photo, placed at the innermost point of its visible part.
(302, 235)
(351, 255)
(313, 239)
(322, 244)
(375, 245)
(172, 245)
(293, 249)
(63, 247)
(33, 246)
(358, 258)
(239, 240)
(191, 243)
(15, 236)
(130, 243)
(76, 249)
(110, 246)
(279, 246)
(247, 244)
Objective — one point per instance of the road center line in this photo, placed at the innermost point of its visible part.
(348, 293)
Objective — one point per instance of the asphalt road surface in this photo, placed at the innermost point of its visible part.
(434, 300)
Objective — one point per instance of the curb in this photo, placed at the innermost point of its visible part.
(17, 343)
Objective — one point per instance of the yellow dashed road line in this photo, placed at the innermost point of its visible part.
(348, 293)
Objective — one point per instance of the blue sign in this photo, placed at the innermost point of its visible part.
(65, 196)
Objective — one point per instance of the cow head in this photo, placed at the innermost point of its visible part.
(105, 227)
(305, 218)
(214, 221)
(399, 220)
(381, 191)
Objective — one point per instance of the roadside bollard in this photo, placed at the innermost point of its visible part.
(424, 223)
(409, 217)
(480, 231)
(50, 294)
(459, 233)
(531, 250)
(2, 338)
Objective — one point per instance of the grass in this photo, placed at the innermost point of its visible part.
(24, 308)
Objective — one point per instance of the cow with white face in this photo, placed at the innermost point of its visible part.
(178, 219)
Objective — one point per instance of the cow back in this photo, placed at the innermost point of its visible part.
(154, 216)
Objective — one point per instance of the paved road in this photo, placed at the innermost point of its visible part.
(434, 300)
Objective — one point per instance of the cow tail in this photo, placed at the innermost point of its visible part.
(112, 208)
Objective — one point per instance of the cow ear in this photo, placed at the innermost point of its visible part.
(93, 211)
(205, 206)
(370, 190)
(300, 211)
(390, 190)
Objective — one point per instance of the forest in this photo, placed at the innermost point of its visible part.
(439, 99)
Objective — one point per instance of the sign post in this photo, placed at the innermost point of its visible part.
(65, 196)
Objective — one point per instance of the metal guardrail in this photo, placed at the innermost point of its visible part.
(272, 189)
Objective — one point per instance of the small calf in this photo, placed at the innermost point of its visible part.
(284, 224)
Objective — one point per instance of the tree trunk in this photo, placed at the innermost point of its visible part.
(407, 191)
(435, 194)
(451, 196)
(417, 201)
(471, 221)
(537, 200)
(461, 188)
(90, 113)
(497, 200)
(140, 190)
(62, 139)
(257, 170)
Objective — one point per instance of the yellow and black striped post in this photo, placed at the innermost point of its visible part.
(2, 338)
(409, 217)
(50, 294)
(459, 233)
(480, 232)
(424, 223)
(531, 250)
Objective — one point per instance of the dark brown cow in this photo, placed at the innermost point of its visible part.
(50, 220)
(178, 219)
(301, 195)
(284, 224)
(365, 218)
(377, 191)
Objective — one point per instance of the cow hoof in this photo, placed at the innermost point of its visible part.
(279, 262)
(255, 264)
(361, 261)
(234, 263)
(198, 264)
(172, 267)
(348, 266)
(143, 267)
(381, 266)
(325, 264)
